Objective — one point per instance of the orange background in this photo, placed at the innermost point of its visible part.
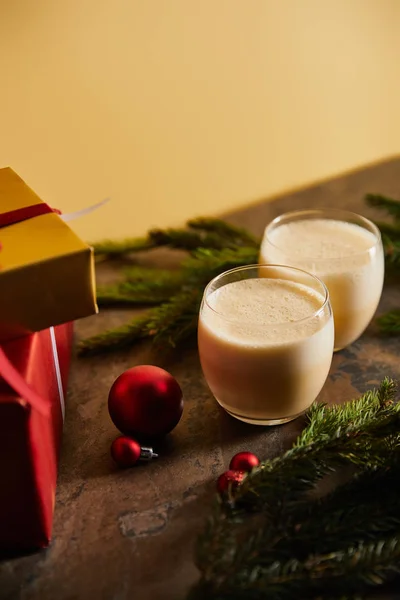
(177, 108)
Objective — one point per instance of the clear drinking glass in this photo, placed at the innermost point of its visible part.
(265, 341)
(344, 250)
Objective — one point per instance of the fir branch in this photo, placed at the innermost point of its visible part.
(162, 289)
(391, 206)
(121, 295)
(115, 339)
(224, 229)
(206, 264)
(334, 436)
(390, 322)
(365, 508)
(354, 434)
(168, 324)
(392, 249)
(216, 545)
(391, 242)
(344, 516)
(350, 570)
(300, 540)
(152, 275)
(173, 322)
(142, 286)
(113, 297)
(185, 239)
(116, 249)
(388, 229)
(199, 233)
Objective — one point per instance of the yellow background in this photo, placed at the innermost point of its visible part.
(177, 108)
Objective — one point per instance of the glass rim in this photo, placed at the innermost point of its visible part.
(365, 223)
(283, 324)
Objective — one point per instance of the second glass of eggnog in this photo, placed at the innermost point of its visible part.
(265, 343)
(344, 250)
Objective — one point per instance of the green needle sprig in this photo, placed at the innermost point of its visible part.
(275, 537)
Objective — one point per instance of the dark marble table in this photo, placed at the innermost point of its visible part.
(120, 535)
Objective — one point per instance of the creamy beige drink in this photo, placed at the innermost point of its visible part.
(345, 253)
(265, 344)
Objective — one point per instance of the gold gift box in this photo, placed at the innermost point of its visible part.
(46, 272)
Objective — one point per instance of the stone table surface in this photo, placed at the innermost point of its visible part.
(120, 535)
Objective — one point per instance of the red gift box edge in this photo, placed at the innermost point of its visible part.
(30, 442)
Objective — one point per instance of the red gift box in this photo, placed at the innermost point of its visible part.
(33, 378)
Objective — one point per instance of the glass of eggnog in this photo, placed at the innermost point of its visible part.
(265, 341)
(341, 248)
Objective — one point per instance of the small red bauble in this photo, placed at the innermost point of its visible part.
(229, 479)
(126, 452)
(244, 461)
(145, 401)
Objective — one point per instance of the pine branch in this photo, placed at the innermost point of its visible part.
(115, 339)
(216, 545)
(353, 434)
(152, 275)
(358, 515)
(162, 289)
(391, 206)
(206, 264)
(115, 249)
(141, 287)
(389, 230)
(159, 290)
(364, 433)
(173, 322)
(392, 249)
(365, 508)
(351, 570)
(391, 242)
(226, 230)
(168, 324)
(344, 516)
(112, 297)
(334, 436)
(189, 240)
(200, 233)
(390, 322)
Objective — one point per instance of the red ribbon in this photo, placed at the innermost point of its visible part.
(27, 212)
(10, 374)
(7, 370)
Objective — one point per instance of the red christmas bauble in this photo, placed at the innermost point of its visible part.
(229, 479)
(244, 461)
(125, 451)
(145, 401)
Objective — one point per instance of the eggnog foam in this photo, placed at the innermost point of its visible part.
(318, 239)
(263, 311)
